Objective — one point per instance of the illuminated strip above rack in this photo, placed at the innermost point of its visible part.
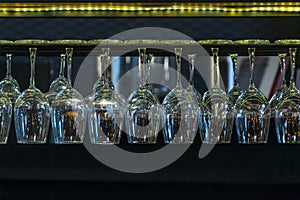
(148, 9)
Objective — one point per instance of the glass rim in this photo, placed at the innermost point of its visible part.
(32, 41)
(251, 41)
(215, 42)
(287, 41)
(69, 42)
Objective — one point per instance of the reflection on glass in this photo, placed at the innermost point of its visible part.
(31, 111)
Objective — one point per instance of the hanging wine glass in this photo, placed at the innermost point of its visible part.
(68, 112)
(276, 98)
(252, 114)
(144, 114)
(191, 89)
(236, 90)
(5, 117)
(101, 82)
(194, 93)
(105, 111)
(60, 83)
(287, 115)
(9, 85)
(31, 111)
(218, 115)
(182, 111)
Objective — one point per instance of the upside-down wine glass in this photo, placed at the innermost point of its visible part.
(287, 115)
(182, 110)
(105, 111)
(218, 115)
(276, 98)
(31, 112)
(9, 85)
(68, 112)
(144, 114)
(60, 83)
(252, 113)
(236, 90)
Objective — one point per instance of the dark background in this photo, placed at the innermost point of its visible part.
(230, 171)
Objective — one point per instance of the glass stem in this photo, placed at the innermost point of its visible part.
(251, 52)
(142, 55)
(191, 58)
(69, 53)
(293, 64)
(8, 65)
(148, 59)
(282, 57)
(32, 52)
(62, 65)
(178, 53)
(234, 57)
(105, 62)
(215, 52)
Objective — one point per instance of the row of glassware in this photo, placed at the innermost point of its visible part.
(183, 113)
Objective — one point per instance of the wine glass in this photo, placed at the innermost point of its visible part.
(9, 85)
(276, 98)
(31, 111)
(105, 111)
(144, 114)
(5, 117)
(252, 114)
(287, 115)
(102, 80)
(60, 83)
(191, 89)
(68, 112)
(236, 90)
(182, 110)
(218, 115)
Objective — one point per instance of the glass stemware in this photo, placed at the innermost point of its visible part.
(31, 111)
(287, 115)
(105, 111)
(252, 114)
(144, 114)
(236, 90)
(9, 85)
(102, 80)
(60, 83)
(5, 117)
(182, 111)
(191, 88)
(218, 115)
(276, 98)
(68, 112)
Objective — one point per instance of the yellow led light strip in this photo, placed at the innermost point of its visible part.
(217, 7)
